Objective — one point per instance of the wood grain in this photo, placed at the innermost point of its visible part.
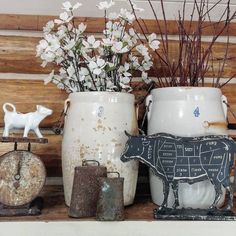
(55, 209)
(17, 55)
(96, 25)
(26, 94)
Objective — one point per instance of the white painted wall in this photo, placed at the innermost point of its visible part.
(53, 7)
(125, 228)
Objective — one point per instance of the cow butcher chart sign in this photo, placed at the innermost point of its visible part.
(178, 159)
(192, 160)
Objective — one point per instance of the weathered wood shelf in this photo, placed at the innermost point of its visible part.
(56, 210)
(22, 140)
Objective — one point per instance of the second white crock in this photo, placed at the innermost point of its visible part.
(186, 111)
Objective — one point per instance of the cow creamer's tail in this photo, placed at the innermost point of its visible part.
(4, 107)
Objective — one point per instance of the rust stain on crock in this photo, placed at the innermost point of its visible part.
(84, 150)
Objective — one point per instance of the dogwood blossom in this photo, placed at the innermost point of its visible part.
(68, 6)
(97, 66)
(108, 42)
(70, 70)
(134, 61)
(153, 41)
(49, 27)
(63, 18)
(123, 70)
(135, 7)
(88, 64)
(127, 15)
(91, 42)
(70, 44)
(105, 5)
(82, 27)
(142, 49)
(145, 78)
(118, 47)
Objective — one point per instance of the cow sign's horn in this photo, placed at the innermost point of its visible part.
(127, 134)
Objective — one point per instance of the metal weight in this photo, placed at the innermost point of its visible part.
(86, 189)
(110, 205)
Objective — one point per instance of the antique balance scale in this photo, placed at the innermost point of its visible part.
(22, 177)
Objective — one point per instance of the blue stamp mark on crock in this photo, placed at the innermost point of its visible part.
(100, 111)
(196, 112)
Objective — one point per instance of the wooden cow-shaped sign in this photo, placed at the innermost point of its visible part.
(177, 159)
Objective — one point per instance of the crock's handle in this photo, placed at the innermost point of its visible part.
(148, 104)
(66, 106)
(224, 104)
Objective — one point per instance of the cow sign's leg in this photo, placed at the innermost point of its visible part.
(166, 190)
(230, 194)
(218, 194)
(175, 188)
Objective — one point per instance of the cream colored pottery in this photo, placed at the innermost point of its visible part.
(186, 111)
(94, 130)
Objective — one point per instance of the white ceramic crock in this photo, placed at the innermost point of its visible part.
(186, 111)
(94, 130)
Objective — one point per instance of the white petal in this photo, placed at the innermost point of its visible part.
(85, 44)
(67, 6)
(49, 78)
(154, 44)
(44, 63)
(93, 65)
(126, 66)
(84, 71)
(127, 74)
(144, 75)
(97, 71)
(91, 40)
(57, 21)
(100, 62)
(64, 16)
(96, 44)
(82, 27)
(77, 5)
(125, 80)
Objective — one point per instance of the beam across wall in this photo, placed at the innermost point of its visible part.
(96, 24)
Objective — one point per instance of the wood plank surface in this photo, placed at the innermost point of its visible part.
(26, 94)
(55, 209)
(96, 24)
(18, 55)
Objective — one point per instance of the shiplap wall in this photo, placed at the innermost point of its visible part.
(21, 76)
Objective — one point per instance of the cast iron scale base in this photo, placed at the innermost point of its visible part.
(22, 177)
(194, 214)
